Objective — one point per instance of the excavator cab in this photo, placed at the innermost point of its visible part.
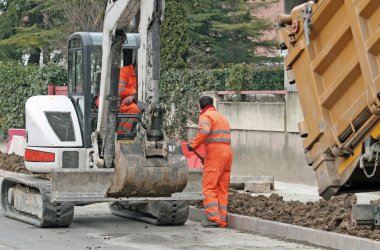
(84, 65)
(130, 115)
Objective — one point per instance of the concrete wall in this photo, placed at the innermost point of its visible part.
(293, 112)
(263, 116)
(276, 154)
(265, 139)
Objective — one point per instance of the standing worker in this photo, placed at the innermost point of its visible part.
(214, 131)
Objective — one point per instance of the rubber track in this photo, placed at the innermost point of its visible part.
(54, 214)
(160, 213)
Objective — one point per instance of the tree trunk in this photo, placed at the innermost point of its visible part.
(45, 56)
(34, 57)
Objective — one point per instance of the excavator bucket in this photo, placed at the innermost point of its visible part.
(144, 172)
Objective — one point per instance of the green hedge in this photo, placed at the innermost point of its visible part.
(181, 89)
(17, 84)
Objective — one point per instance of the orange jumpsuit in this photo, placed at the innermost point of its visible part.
(214, 131)
(127, 87)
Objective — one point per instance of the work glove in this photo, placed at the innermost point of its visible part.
(189, 147)
(129, 99)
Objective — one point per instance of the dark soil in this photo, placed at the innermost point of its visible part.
(333, 215)
(13, 163)
(375, 202)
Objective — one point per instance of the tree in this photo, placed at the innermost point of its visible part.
(34, 26)
(8, 18)
(174, 41)
(196, 33)
(80, 15)
(223, 32)
(31, 27)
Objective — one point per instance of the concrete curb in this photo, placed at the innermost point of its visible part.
(292, 232)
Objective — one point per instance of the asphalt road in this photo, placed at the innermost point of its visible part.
(94, 227)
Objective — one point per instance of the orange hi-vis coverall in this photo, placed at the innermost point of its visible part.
(127, 87)
(214, 131)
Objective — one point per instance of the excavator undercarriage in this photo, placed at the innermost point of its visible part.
(160, 213)
(28, 199)
(50, 202)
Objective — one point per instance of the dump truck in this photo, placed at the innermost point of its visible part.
(73, 138)
(333, 57)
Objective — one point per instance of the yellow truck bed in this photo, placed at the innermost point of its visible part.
(334, 58)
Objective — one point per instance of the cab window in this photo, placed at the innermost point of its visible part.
(76, 71)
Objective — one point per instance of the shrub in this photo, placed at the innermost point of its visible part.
(17, 84)
(180, 90)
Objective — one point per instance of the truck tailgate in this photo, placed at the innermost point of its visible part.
(334, 55)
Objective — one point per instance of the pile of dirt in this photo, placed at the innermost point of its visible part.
(375, 202)
(13, 163)
(333, 215)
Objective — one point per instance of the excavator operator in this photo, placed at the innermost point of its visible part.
(127, 92)
(214, 131)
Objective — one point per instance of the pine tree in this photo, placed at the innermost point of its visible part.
(174, 42)
(35, 26)
(223, 32)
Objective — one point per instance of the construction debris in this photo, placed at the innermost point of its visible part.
(13, 163)
(257, 187)
(333, 215)
(241, 183)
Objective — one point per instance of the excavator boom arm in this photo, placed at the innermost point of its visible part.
(118, 16)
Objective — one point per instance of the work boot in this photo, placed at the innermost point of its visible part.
(209, 223)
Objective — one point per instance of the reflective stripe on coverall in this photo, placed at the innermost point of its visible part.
(214, 131)
(127, 87)
(127, 82)
(126, 125)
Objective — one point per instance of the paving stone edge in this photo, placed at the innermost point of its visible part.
(292, 232)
